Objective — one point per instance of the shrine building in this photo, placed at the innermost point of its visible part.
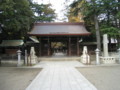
(59, 38)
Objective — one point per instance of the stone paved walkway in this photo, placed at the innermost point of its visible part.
(60, 75)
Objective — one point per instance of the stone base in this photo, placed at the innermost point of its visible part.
(85, 59)
(108, 60)
(32, 60)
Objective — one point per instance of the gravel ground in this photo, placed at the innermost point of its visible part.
(16, 78)
(104, 78)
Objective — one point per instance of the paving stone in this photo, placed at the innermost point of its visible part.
(60, 75)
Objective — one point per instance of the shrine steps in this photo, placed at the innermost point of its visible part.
(58, 58)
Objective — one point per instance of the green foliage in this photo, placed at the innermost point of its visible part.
(100, 13)
(16, 17)
(107, 11)
(43, 13)
(111, 31)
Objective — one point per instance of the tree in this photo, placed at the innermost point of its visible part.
(100, 13)
(88, 9)
(16, 16)
(110, 24)
(72, 18)
(43, 13)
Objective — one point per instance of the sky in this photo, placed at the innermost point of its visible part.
(58, 5)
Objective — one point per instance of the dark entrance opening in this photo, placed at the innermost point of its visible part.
(59, 48)
(59, 45)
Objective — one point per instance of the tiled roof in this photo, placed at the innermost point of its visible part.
(42, 29)
(11, 43)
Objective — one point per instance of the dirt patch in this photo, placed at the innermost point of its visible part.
(104, 78)
(16, 78)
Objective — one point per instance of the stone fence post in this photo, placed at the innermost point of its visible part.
(97, 56)
(19, 58)
(119, 54)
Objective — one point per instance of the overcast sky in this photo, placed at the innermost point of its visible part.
(58, 5)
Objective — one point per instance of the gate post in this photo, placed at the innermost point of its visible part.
(119, 54)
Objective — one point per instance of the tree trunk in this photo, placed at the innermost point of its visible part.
(97, 33)
(118, 41)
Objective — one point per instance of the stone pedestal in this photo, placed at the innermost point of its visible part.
(32, 59)
(85, 58)
(106, 59)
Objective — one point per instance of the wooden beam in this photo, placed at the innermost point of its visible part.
(48, 46)
(69, 46)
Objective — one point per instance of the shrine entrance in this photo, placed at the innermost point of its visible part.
(59, 45)
(59, 48)
(59, 38)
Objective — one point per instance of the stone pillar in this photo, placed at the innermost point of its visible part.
(106, 59)
(119, 54)
(105, 45)
(19, 58)
(97, 56)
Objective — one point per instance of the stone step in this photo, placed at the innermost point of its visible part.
(58, 58)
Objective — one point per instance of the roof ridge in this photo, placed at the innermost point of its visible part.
(60, 23)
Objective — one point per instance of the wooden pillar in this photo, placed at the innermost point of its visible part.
(69, 46)
(48, 46)
(78, 47)
(40, 47)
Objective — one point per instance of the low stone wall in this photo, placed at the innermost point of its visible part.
(111, 59)
(108, 60)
